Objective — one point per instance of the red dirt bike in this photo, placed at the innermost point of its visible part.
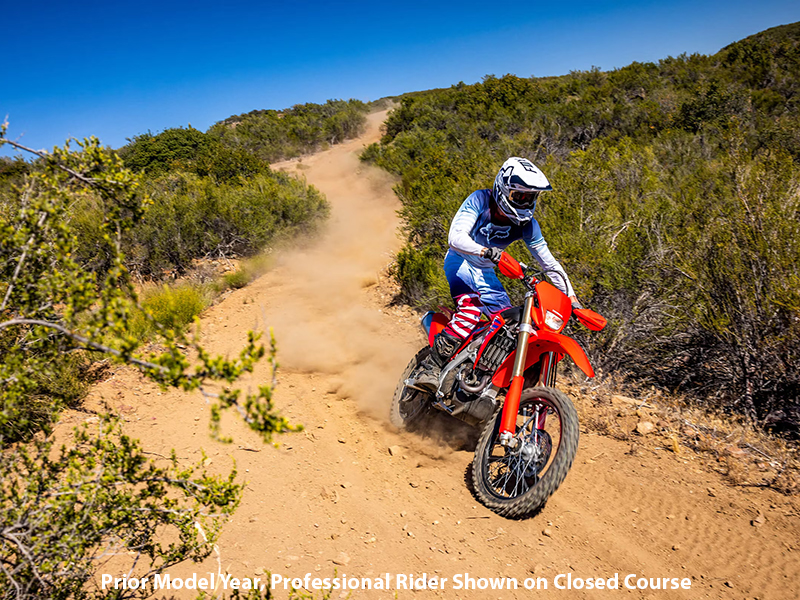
(502, 378)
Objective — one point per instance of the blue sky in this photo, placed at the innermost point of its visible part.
(115, 70)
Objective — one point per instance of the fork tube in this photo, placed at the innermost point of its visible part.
(547, 374)
(553, 368)
(508, 423)
(547, 377)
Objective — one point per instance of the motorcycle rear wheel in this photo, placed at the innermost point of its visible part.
(408, 404)
(514, 483)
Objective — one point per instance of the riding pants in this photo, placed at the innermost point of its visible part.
(474, 291)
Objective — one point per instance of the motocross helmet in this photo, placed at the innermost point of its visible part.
(517, 187)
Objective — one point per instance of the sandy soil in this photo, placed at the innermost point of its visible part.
(333, 499)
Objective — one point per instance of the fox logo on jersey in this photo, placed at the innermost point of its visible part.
(495, 232)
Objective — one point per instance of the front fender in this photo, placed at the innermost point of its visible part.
(544, 341)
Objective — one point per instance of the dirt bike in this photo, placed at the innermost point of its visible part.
(502, 379)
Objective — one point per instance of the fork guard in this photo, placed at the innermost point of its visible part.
(542, 342)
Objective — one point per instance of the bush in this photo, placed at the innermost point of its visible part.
(175, 307)
(170, 308)
(237, 279)
(60, 383)
(192, 151)
(64, 509)
(272, 135)
(193, 218)
(61, 511)
(674, 210)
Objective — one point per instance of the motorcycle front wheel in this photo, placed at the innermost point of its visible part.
(408, 404)
(515, 481)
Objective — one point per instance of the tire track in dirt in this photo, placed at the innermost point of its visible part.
(333, 499)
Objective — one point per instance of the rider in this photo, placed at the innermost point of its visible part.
(487, 222)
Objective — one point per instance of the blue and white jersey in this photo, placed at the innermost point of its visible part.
(472, 230)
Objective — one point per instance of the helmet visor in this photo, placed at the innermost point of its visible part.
(524, 200)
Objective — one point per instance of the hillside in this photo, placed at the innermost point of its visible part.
(349, 495)
(675, 208)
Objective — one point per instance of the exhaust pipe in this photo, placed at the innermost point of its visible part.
(474, 389)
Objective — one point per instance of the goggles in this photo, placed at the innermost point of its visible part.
(523, 200)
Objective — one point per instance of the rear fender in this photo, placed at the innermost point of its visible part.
(544, 341)
(433, 323)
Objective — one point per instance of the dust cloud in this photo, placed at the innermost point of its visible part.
(319, 314)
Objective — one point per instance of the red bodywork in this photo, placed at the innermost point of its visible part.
(550, 299)
(542, 342)
(589, 318)
(545, 338)
(437, 325)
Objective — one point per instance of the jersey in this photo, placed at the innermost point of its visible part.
(472, 230)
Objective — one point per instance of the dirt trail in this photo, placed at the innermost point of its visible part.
(333, 497)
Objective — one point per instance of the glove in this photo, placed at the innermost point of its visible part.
(493, 254)
(575, 302)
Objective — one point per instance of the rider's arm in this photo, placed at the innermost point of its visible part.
(549, 264)
(539, 250)
(459, 237)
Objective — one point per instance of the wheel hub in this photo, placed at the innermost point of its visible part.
(529, 451)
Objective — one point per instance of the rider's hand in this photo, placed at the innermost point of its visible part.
(493, 254)
(575, 302)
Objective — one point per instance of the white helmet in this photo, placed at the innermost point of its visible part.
(517, 187)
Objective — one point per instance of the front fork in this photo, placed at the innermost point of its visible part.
(547, 377)
(508, 419)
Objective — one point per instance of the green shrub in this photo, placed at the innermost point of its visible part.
(191, 218)
(249, 269)
(101, 495)
(272, 135)
(675, 207)
(60, 383)
(237, 279)
(171, 307)
(175, 307)
(189, 150)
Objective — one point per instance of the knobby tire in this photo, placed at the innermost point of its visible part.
(403, 394)
(537, 495)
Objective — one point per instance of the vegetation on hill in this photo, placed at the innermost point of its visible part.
(272, 135)
(208, 200)
(205, 197)
(63, 513)
(675, 210)
(74, 227)
(213, 194)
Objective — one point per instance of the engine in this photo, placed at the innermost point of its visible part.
(497, 350)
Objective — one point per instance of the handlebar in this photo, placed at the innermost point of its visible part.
(514, 269)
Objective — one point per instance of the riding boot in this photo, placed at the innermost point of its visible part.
(444, 346)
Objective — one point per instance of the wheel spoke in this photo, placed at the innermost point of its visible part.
(521, 478)
(506, 472)
(514, 493)
(507, 477)
(517, 479)
(496, 480)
